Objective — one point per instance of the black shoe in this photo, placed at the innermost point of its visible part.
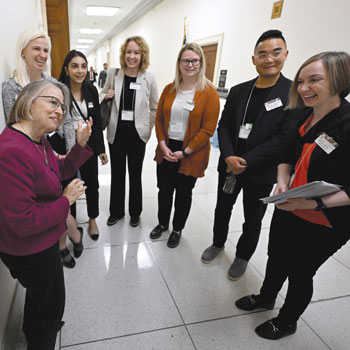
(113, 220)
(78, 247)
(174, 239)
(157, 231)
(134, 221)
(252, 302)
(67, 260)
(274, 329)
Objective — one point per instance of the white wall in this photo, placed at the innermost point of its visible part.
(16, 16)
(309, 27)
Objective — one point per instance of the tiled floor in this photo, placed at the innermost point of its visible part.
(128, 292)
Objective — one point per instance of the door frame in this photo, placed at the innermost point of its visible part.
(215, 39)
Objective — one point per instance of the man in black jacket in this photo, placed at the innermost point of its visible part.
(102, 76)
(252, 132)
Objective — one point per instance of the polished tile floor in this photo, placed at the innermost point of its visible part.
(128, 292)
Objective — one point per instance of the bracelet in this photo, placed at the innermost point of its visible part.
(320, 204)
(185, 154)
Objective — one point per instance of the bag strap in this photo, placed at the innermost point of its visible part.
(77, 106)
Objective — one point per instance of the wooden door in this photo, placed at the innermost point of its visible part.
(58, 28)
(210, 58)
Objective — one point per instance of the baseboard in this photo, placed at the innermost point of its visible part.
(14, 338)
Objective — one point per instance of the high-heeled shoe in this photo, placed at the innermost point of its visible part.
(78, 247)
(93, 235)
(67, 260)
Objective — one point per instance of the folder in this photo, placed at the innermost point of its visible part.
(310, 190)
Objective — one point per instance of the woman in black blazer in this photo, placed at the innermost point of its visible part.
(85, 104)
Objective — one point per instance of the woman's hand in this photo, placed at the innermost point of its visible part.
(281, 187)
(104, 158)
(74, 190)
(178, 155)
(167, 154)
(83, 133)
(235, 165)
(109, 95)
(297, 203)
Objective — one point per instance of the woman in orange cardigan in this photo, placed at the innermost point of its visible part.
(186, 118)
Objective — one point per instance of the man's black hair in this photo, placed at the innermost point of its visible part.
(270, 34)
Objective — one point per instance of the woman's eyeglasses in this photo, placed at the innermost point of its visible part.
(55, 103)
(195, 62)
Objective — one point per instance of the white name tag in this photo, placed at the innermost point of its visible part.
(326, 143)
(245, 130)
(273, 104)
(189, 106)
(127, 115)
(176, 127)
(135, 86)
(90, 105)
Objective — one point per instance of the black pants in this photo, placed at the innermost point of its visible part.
(297, 248)
(168, 181)
(254, 211)
(129, 147)
(42, 276)
(89, 174)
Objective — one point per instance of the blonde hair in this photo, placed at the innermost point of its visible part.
(144, 48)
(337, 64)
(21, 109)
(21, 73)
(202, 81)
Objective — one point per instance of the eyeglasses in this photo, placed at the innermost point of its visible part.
(195, 62)
(274, 55)
(55, 103)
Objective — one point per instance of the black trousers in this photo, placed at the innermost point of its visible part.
(89, 174)
(297, 248)
(168, 181)
(254, 211)
(42, 276)
(128, 147)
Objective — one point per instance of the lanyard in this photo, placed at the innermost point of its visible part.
(247, 104)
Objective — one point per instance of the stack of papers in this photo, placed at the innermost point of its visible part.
(311, 190)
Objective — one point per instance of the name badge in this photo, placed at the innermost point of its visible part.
(189, 106)
(326, 142)
(176, 127)
(135, 86)
(273, 104)
(245, 130)
(127, 115)
(90, 105)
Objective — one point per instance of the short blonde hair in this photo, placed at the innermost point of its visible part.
(337, 64)
(141, 42)
(202, 81)
(21, 74)
(21, 109)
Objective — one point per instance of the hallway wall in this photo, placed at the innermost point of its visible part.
(309, 27)
(27, 14)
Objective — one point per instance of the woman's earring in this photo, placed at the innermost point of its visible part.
(22, 55)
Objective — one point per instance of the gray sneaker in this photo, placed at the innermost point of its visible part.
(237, 269)
(211, 253)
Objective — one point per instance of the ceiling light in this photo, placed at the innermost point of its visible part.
(82, 46)
(101, 11)
(85, 41)
(90, 31)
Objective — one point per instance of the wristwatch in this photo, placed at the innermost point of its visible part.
(185, 154)
(320, 204)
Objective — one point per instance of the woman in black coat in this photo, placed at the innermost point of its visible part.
(85, 104)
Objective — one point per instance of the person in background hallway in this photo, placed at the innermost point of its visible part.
(92, 75)
(102, 76)
(33, 208)
(304, 233)
(186, 118)
(84, 104)
(135, 97)
(252, 131)
(32, 64)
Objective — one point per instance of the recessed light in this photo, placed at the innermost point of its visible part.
(107, 11)
(91, 31)
(85, 41)
(82, 46)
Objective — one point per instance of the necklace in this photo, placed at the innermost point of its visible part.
(44, 155)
